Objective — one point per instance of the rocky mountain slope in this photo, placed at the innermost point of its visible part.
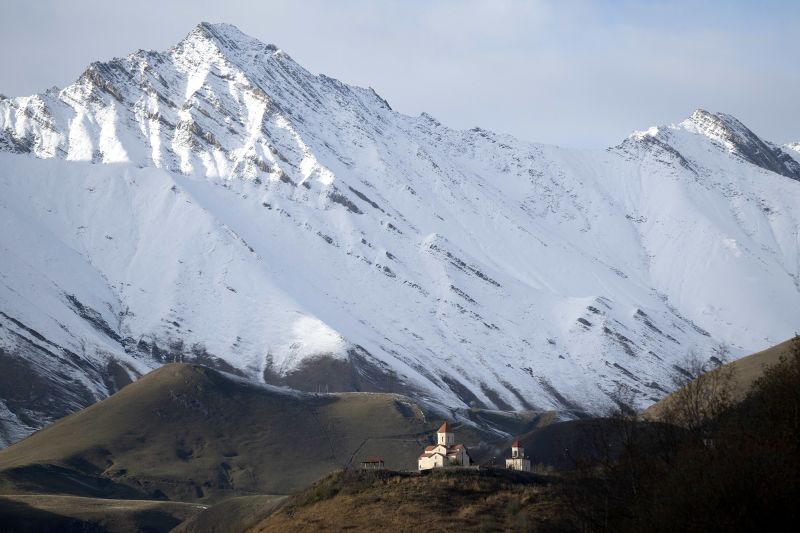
(217, 202)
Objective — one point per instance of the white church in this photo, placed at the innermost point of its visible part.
(445, 452)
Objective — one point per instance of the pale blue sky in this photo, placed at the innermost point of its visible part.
(575, 73)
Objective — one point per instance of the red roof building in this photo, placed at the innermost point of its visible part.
(445, 452)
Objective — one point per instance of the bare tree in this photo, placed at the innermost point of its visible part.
(704, 389)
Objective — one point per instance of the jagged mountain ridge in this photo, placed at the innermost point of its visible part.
(218, 202)
(202, 105)
(740, 141)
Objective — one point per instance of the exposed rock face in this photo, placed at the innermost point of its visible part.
(216, 202)
(739, 140)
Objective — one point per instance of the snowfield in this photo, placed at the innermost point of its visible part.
(218, 202)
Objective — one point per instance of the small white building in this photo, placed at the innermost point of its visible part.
(445, 452)
(518, 461)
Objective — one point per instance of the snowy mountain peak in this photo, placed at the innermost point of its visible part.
(226, 39)
(294, 229)
(719, 126)
(727, 131)
(219, 103)
(229, 36)
(722, 128)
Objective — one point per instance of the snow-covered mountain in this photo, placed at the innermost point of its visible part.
(219, 202)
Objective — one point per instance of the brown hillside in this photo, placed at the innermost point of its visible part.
(744, 371)
(56, 513)
(234, 514)
(443, 500)
(189, 433)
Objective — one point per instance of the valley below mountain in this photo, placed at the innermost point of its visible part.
(189, 433)
(187, 443)
(191, 449)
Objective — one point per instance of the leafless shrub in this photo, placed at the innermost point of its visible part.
(704, 390)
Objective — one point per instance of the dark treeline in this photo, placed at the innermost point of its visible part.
(708, 464)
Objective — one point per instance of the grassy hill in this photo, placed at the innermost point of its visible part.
(728, 465)
(189, 433)
(743, 374)
(57, 513)
(232, 451)
(234, 514)
(442, 500)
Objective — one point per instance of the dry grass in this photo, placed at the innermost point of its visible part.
(744, 373)
(234, 514)
(71, 513)
(444, 500)
(187, 433)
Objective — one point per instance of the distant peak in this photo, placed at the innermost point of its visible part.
(227, 37)
(720, 126)
(701, 114)
(219, 27)
(223, 31)
(730, 132)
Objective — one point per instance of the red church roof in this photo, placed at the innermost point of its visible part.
(445, 428)
(516, 444)
(430, 454)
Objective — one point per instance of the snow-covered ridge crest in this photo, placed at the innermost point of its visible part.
(217, 202)
(229, 38)
(725, 132)
(211, 105)
(728, 131)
